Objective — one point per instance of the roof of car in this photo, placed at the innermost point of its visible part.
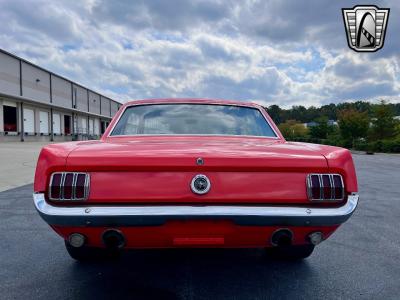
(192, 100)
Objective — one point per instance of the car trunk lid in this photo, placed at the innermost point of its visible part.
(160, 169)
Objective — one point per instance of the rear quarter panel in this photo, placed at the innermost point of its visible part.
(52, 158)
(339, 161)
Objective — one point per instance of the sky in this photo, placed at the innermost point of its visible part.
(270, 52)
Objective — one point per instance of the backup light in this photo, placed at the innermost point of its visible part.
(316, 238)
(69, 186)
(76, 240)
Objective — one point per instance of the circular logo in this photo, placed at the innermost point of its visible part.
(200, 184)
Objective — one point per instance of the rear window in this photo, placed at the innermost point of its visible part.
(192, 119)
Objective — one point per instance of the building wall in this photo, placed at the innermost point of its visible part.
(61, 92)
(80, 98)
(35, 83)
(94, 103)
(9, 75)
(40, 92)
(86, 127)
(1, 116)
(114, 108)
(105, 107)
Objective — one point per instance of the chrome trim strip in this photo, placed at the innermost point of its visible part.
(183, 135)
(332, 182)
(158, 215)
(87, 186)
(341, 179)
(309, 187)
(74, 185)
(321, 187)
(62, 186)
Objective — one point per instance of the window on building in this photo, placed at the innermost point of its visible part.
(67, 124)
(10, 118)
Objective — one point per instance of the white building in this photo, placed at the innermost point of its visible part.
(36, 104)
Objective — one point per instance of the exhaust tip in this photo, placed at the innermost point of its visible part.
(76, 240)
(282, 238)
(113, 239)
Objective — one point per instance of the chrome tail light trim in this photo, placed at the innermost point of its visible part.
(86, 187)
(321, 187)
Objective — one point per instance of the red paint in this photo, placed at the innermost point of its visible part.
(187, 241)
(190, 233)
(158, 169)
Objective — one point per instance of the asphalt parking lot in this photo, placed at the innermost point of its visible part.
(361, 260)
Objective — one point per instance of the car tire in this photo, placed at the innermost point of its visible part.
(90, 253)
(297, 252)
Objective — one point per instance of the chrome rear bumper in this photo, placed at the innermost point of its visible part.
(158, 215)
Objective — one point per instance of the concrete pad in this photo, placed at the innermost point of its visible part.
(18, 163)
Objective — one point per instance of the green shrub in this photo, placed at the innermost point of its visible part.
(335, 140)
(388, 146)
(361, 145)
(391, 146)
(306, 140)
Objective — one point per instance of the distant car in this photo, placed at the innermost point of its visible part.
(194, 173)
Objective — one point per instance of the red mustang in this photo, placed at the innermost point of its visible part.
(194, 173)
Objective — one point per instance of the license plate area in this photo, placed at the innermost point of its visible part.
(197, 241)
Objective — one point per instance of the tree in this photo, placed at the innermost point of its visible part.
(322, 129)
(328, 111)
(383, 123)
(353, 125)
(274, 112)
(398, 129)
(292, 129)
(298, 112)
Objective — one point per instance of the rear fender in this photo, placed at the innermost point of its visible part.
(340, 161)
(51, 158)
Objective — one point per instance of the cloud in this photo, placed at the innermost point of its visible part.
(282, 52)
(173, 15)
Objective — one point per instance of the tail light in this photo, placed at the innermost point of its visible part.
(69, 186)
(325, 187)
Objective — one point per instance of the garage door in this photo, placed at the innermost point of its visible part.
(91, 126)
(96, 127)
(44, 122)
(56, 124)
(29, 120)
(84, 125)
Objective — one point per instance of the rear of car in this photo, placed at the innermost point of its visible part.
(194, 173)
